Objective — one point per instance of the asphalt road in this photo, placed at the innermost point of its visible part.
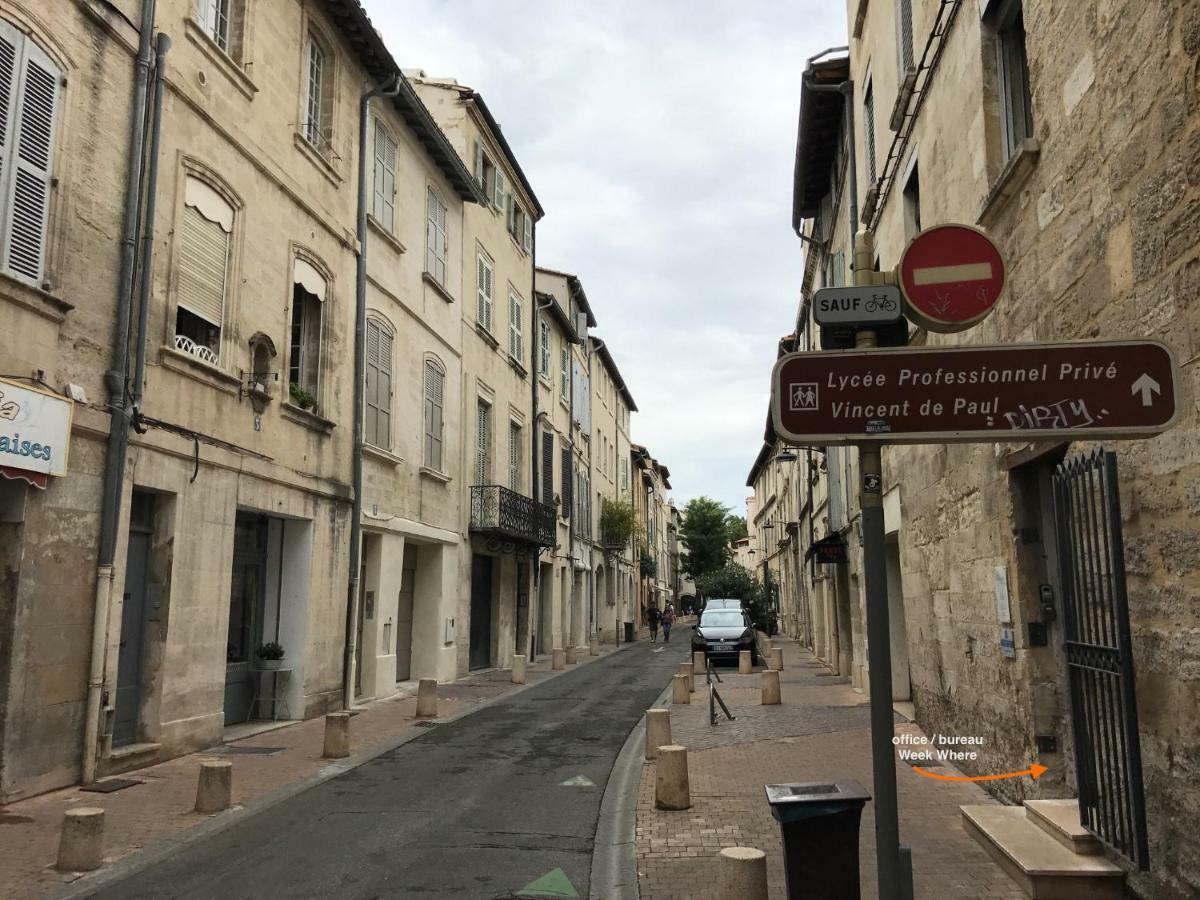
(475, 808)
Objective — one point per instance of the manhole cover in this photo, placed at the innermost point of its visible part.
(234, 750)
(108, 785)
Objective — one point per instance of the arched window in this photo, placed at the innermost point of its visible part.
(203, 270)
(378, 423)
(435, 406)
(309, 288)
(30, 97)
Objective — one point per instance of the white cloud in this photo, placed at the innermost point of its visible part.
(659, 137)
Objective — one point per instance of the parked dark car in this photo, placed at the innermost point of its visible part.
(724, 633)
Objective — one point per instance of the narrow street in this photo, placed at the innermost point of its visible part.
(475, 809)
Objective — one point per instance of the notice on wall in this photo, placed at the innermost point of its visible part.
(1008, 643)
(35, 429)
(1003, 607)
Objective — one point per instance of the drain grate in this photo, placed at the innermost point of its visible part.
(234, 750)
(108, 785)
(425, 724)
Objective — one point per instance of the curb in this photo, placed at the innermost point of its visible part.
(164, 848)
(614, 854)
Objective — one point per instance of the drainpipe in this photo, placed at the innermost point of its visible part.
(115, 383)
(360, 358)
(162, 47)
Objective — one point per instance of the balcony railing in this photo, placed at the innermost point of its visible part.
(610, 540)
(504, 514)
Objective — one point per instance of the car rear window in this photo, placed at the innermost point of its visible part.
(722, 618)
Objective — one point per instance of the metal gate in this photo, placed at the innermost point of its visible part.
(1108, 755)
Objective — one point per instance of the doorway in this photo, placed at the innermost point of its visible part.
(480, 653)
(133, 619)
(247, 599)
(404, 614)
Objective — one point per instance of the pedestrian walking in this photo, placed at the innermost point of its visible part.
(652, 618)
(668, 619)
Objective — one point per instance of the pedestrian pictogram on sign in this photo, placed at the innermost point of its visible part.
(804, 397)
(951, 276)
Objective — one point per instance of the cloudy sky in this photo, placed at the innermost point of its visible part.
(659, 137)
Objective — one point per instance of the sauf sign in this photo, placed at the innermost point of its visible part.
(35, 429)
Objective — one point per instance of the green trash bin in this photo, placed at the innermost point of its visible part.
(819, 825)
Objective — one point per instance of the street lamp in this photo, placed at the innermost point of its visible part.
(788, 455)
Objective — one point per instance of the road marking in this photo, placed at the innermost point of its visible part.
(946, 274)
(659, 650)
(552, 884)
(579, 781)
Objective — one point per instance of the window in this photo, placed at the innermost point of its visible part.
(566, 483)
(435, 425)
(912, 204)
(514, 456)
(548, 468)
(30, 95)
(485, 170)
(1013, 69)
(435, 237)
(520, 225)
(221, 20)
(869, 131)
(624, 474)
(483, 442)
(564, 374)
(378, 414)
(499, 193)
(203, 271)
(384, 207)
(543, 348)
(483, 289)
(516, 326)
(904, 21)
(304, 358)
(318, 97)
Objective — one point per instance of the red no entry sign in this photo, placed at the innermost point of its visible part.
(951, 276)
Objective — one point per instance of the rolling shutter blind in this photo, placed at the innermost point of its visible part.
(203, 266)
(29, 98)
(548, 468)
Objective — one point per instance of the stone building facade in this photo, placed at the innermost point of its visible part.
(1070, 135)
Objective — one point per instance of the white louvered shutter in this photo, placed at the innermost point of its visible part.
(11, 45)
(434, 406)
(31, 112)
(377, 427)
(527, 237)
(480, 173)
(483, 432)
(430, 232)
(498, 199)
(385, 178)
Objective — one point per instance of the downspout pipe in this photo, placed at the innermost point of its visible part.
(161, 48)
(360, 360)
(115, 382)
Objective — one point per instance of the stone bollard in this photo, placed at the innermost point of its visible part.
(770, 688)
(743, 874)
(698, 666)
(658, 731)
(594, 646)
(559, 659)
(81, 845)
(681, 690)
(427, 699)
(214, 790)
(686, 669)
(671, 789)
(518, 668)
(777, 659)
(745, 666)
(572, 655)
(337, 735)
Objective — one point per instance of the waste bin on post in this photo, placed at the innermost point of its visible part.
(629, 632)
(819, 825)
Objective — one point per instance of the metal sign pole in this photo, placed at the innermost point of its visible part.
(879, 647)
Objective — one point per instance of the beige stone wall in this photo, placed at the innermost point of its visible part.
(1100, 244)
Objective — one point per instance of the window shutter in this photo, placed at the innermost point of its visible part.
(430, 232)
(568, 481)
(483, 428)
(548, 468)
(30, 112)
(371, 413)
(434, 402)
(527, 239)
(385, 177)
(514, 456)
(480, 172)
(498, 199)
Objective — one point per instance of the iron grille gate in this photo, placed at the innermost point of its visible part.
(1108, 755)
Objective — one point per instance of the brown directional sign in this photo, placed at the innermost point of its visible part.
(934, 395)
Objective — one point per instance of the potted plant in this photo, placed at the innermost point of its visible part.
(301, 397)
(270, 655)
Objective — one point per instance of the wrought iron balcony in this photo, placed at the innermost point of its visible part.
(510, 517)
(611, 540)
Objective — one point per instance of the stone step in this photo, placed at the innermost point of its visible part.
(1060, 819)
(1042, 867)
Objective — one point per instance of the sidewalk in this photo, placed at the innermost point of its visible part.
(822, 730)
(160, 810)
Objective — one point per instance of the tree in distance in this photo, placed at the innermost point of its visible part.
(705, 536)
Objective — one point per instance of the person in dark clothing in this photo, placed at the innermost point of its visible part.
(652, 619)
(668, 619)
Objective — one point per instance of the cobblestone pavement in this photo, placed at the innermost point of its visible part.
(160, 809)
(821, 731)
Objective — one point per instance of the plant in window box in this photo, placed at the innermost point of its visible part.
(301, 397)
(270, 655)
(618, 523)
(648, 565)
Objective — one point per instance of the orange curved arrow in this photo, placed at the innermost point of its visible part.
(1034, 771)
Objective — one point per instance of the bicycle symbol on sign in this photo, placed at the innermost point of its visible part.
(880, 302)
